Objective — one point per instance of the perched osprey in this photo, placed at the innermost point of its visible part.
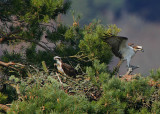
(64, 68)
(121, 49)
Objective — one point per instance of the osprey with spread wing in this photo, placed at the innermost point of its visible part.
(121, 49)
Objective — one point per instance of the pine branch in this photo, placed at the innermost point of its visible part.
(10, 36)
(16, 86)
(4, 37)
(154, 83)
(83, 57)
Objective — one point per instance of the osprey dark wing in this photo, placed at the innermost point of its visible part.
(115, 42)
(68, 70)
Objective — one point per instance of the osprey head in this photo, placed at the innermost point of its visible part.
(138, 48)
(57, 58)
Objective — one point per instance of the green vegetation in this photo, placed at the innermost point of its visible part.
(31, 84)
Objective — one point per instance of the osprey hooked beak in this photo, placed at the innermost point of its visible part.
(139, 48)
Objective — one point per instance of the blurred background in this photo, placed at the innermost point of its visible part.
(139, 20)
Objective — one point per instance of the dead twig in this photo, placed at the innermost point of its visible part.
(6, 64)
(128, 77)
(12, 65)
(4, 107)
(59, 80)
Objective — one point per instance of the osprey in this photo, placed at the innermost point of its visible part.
(122, 50)
(64, 68)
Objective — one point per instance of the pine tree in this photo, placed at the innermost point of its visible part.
(28, 20)
(31, 84)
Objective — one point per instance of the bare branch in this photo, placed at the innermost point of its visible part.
(6, 64)
(48, 25)
(4, 107)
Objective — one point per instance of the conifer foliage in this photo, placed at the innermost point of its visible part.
(29, 82)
